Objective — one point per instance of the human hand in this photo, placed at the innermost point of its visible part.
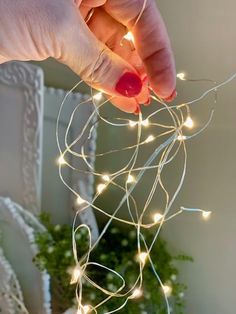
(96, 51)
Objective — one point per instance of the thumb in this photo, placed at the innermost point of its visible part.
(95, 63)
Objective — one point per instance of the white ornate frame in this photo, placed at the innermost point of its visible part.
(29, 79)
(27, 224)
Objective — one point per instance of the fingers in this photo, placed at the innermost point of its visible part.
(151, 42)
(111, 33)
(96, 64)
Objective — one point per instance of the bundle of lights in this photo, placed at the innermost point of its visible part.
(164, 154)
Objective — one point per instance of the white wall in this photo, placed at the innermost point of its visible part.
(203, 38)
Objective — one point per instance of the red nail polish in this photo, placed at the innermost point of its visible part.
(171, 97)
(137, 111)
(129, 85)
(146, 103)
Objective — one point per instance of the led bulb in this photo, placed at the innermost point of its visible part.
(189, 122)
(157, 217)
(137, 293)
(167, 290)
(83, 309)
(106, 177)
(149, 139)
(145, 122)
(80, 200)
(86, 309)
(101, 187)
(61, 160)
(129, 36)
(98, 96)
(143, 257)
(132, 123)
(76, 274)
(181, 137)
(130, 179)
(181, 76)
(206, 214)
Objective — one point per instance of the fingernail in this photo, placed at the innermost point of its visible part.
(129, 85)
(146, 103)
(171, 97)
(137, 111)
(145, 80)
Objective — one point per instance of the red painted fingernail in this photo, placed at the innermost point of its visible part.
(137, 111)
(171, 97)
(145, 80)
(129, 85)
(146, 103)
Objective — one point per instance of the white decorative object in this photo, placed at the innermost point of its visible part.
(11, 298)
(20, 248)
(21, 105)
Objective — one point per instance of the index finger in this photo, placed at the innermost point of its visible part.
(151, 41)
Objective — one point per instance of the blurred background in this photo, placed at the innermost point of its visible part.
(203, 40)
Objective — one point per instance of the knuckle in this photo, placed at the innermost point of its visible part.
(97, 70)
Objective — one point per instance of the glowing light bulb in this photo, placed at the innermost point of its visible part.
(145, 122)
(80, 200)
(106, 177)
(61, 160)
(167, 290)
(83, 309)
(206, 214)
(143, 257)
(101, 187)
(149, 139)
(98, 96)
(137, 293)
(181, 76)
(189, 122)
(157, 217)
(132, 123)
(129, 36)
(181, 137)
(130, 179)
(76, 274)
(86, 309)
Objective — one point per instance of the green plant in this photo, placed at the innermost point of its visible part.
(117, 250)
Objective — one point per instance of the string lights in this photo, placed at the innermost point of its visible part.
(126, 179)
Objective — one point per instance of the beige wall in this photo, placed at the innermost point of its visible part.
(203, 39)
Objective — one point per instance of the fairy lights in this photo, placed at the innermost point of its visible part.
(130, 179)
(181, 76)
(76, 275)
(206, 214)
(163, 154)
(189, 122)
(132, 123)
(167, 290)
(126, 180)
(150, 138)
(84, 309)
(137, 293)
(145, 122)
(106, 177)
(181, 137)
(101, 187)
(143, 257)
(157, 217)
(129, 36)
(98, 96)
(80, 200)
(61, 160)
